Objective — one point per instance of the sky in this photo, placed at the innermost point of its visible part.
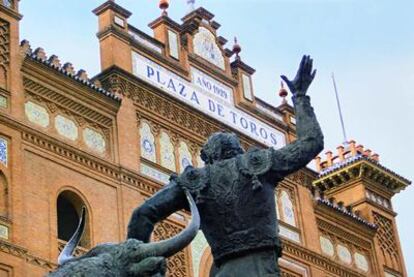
(369, 45)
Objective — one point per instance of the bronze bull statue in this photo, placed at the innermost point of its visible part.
(131, 258)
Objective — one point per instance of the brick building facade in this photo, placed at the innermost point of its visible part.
(111, 141)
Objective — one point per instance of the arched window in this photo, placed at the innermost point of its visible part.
(286, 206)
(167, 152)
(186, 158)
(69, 207)
(147, 143)
(3, 196)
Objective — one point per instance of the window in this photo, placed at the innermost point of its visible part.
(286, 206)
(173, 43)
(3, 195)
(247, 87)
(167, 152)
(185, 156)
(69, 207)
(147, 143)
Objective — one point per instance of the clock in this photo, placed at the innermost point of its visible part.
(205, 46)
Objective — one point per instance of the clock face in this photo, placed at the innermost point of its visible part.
(205, 46)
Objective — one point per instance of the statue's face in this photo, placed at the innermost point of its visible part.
(221, 146)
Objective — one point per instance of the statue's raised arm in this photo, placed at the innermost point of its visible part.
(309, 142)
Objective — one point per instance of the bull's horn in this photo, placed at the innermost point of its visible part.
(169, 247)
(67, 251)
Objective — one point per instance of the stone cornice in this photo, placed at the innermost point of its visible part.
(361, 167)
(318, 260)
(112, 5)
(336, 212)
(166, 20)
(11, 12)
(22, 253)
(363, 239)
(54, 70)
(65, 101)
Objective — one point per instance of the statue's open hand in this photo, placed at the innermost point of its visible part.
(303, 79)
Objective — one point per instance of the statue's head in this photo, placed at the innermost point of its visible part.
(221, 146)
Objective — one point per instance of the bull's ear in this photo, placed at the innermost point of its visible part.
(152, 266)
(67, 251)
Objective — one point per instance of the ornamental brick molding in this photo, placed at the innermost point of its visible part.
(178, 265)
(318, 260)
(50, 96)
(4, 52)
(25, 255)
(387, 241)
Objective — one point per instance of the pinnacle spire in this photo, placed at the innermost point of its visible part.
(191, 5)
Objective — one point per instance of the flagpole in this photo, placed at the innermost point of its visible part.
(338, 103)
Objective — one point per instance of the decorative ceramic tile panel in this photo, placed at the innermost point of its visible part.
(66, 127)
(344, 254)
(94, 140)
(147, 143)
(247, 87)
(361, 262)
(205, 45)
(185, 156)
(167, 152)
(155, 174)
(198, 247)
(378, 199)
(3, 151)
(287, 208)
(289, 234)
(36, 114)
(4, 232)
(327, 246)
(173, 43)
(3, 102)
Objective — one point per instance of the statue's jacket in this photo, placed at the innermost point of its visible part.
(235, 196)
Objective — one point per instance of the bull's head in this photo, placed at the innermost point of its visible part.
(129, 258)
